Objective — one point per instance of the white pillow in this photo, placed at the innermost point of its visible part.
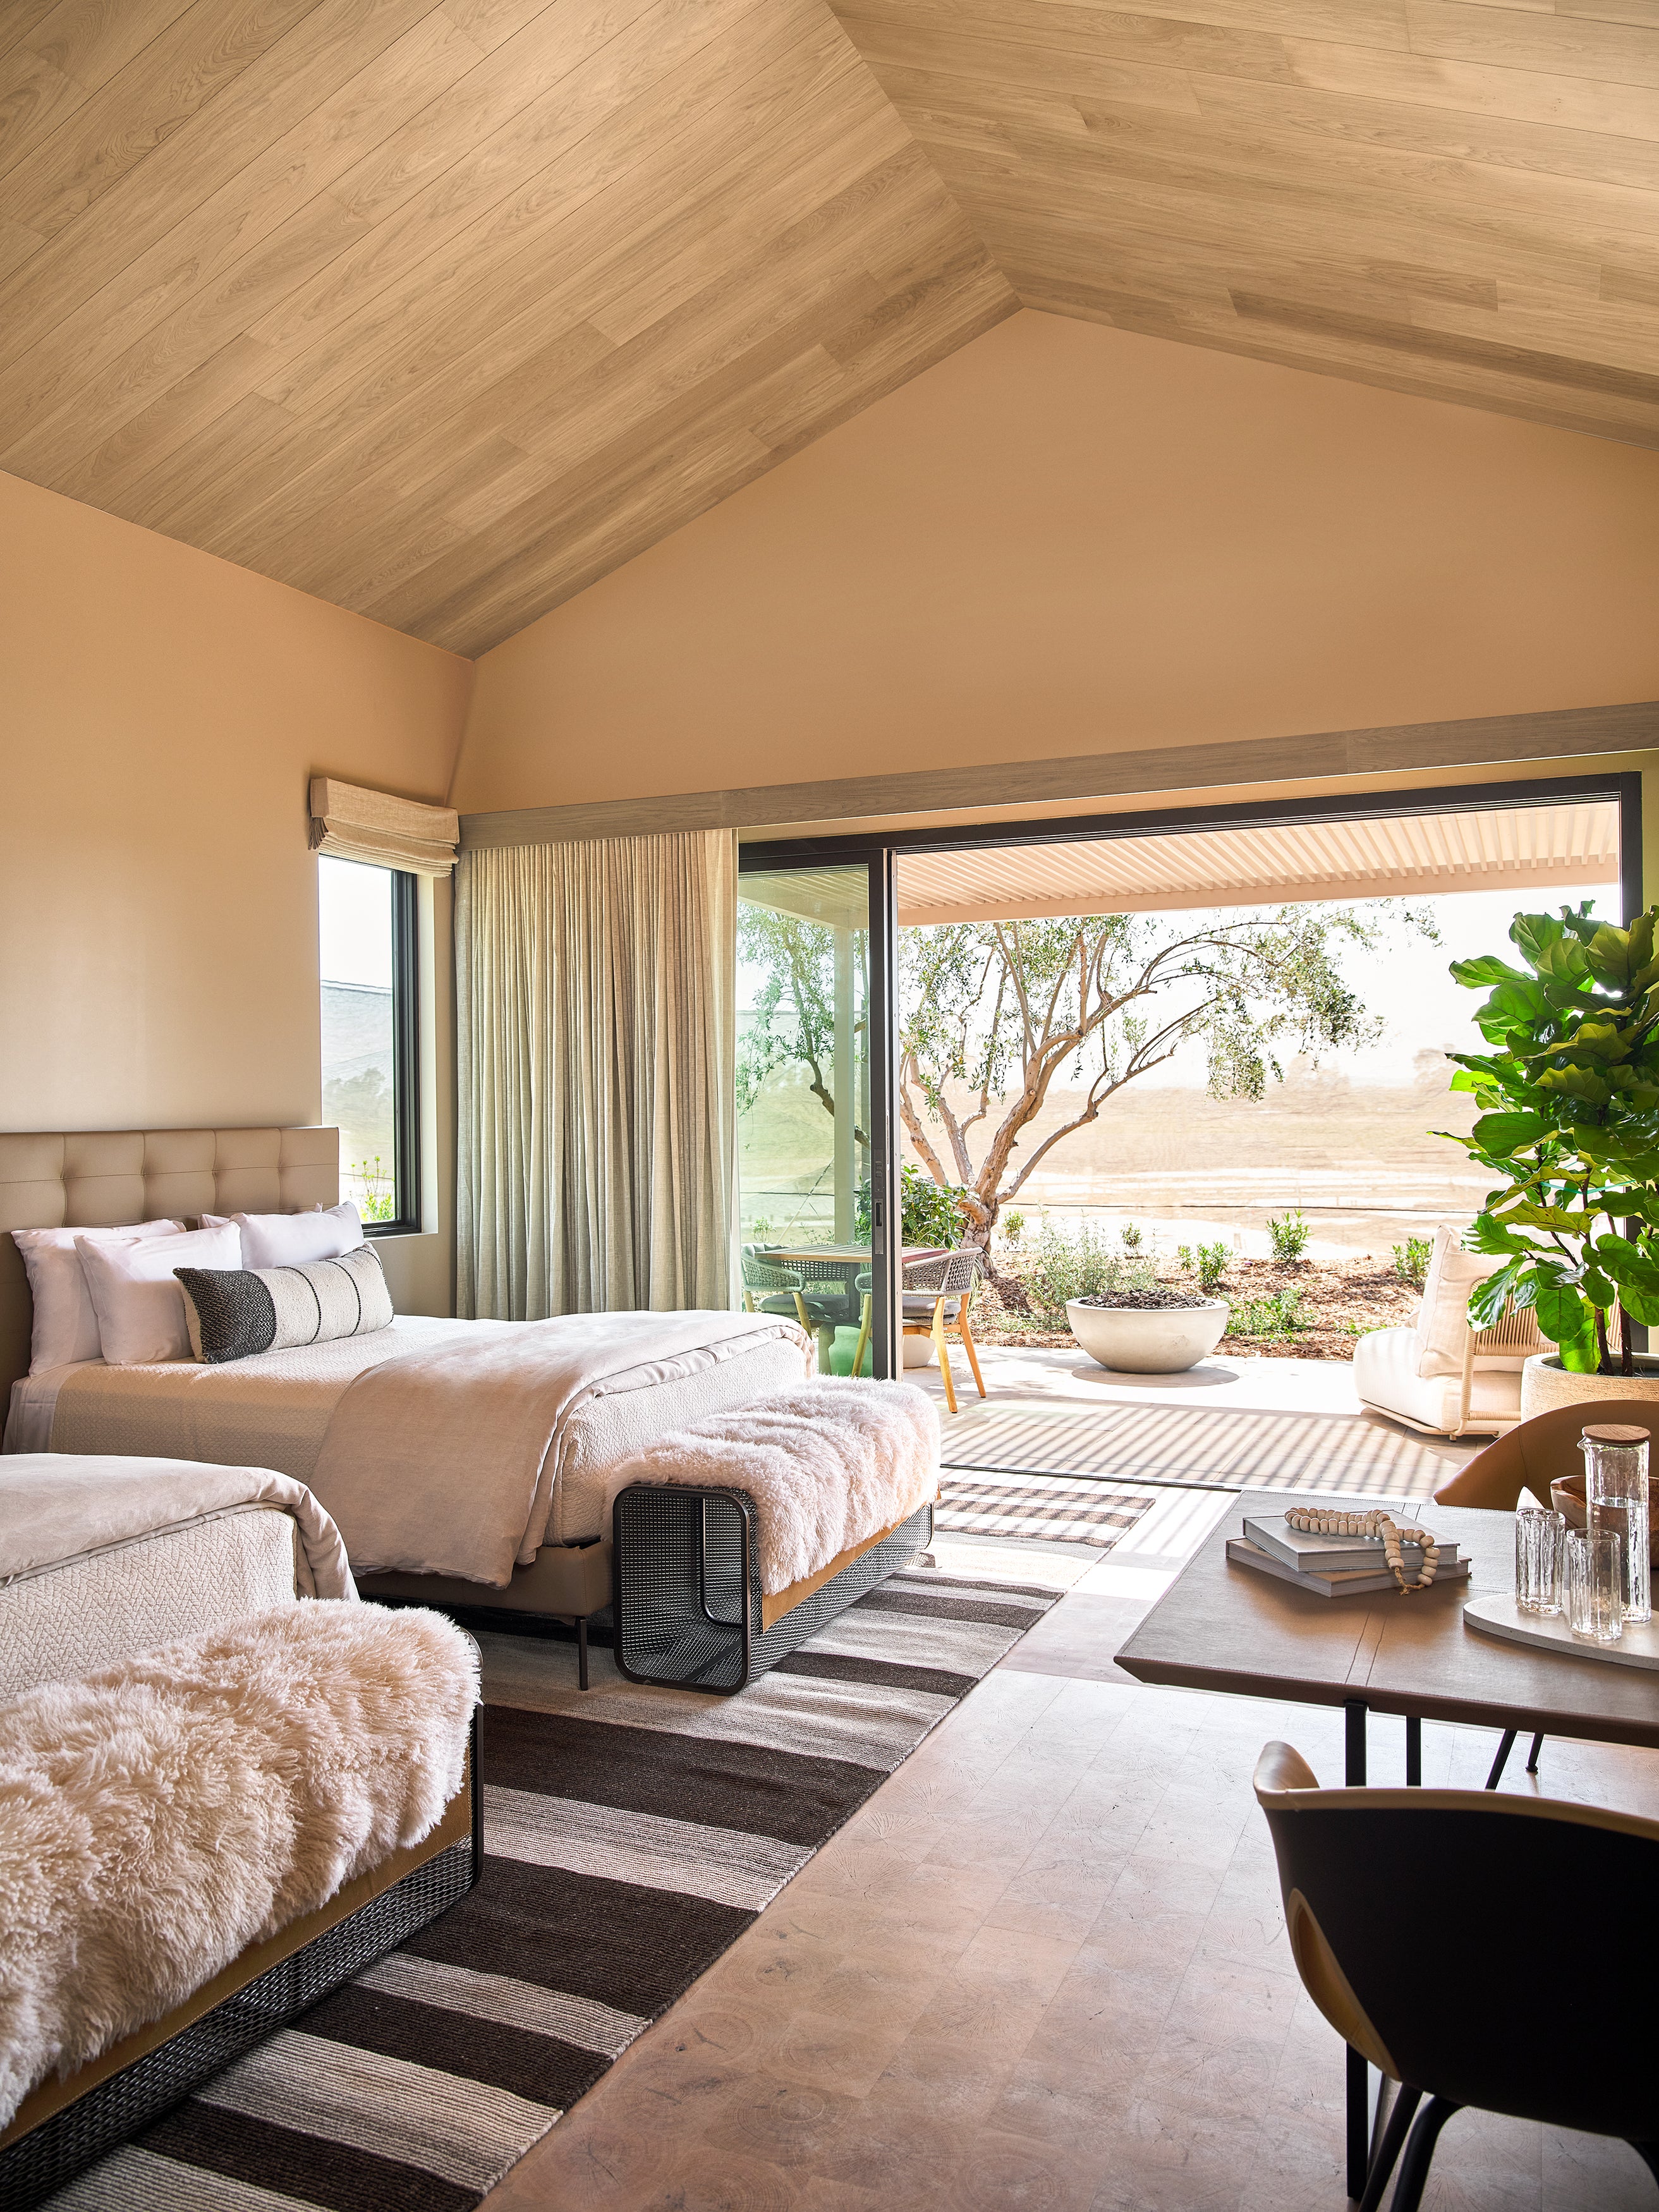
(140, 1308)
(1443, 1317)
(294, 1240)
(65, 1326)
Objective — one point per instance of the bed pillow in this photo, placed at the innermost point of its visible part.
(65, 1326)
(140, 1308)
(294, 1240)
(235, 1314)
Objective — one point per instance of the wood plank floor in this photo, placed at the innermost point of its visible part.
(1046, 1968)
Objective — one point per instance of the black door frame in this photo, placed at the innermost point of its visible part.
(879, 851)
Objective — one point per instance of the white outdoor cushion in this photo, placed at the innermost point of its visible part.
(1385, 1375)
(140, 1307)
(294, 1240)
(1444, 1315)
(65, 1327)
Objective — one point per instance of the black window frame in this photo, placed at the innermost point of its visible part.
(406, 1054)
(405, 1059)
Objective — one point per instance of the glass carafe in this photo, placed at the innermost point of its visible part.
(1616, 1493)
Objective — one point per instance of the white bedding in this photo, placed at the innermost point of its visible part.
(274, 1411)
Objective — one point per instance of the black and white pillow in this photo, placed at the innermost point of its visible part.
(233, 1313)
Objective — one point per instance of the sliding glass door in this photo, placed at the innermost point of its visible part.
(814, 1085)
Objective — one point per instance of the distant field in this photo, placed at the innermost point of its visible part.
(1359, 1161)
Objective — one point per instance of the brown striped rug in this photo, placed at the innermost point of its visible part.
(1076, 1508)
(631, 1836)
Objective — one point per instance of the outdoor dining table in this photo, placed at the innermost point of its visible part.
(1226, 1627)
(848, 1260)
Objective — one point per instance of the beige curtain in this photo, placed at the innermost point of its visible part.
(596, 990)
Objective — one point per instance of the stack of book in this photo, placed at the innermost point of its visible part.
(1333, 1566)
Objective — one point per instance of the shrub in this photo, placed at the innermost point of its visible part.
(1131, 1236)
(1411, 1259)
(932, 1212)
(1208, 1263)
(1013, 1225)
(1279, 1315)
(1290, 1236)
(1078, 1265)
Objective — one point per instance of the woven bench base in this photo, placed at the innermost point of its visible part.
(687, 1587)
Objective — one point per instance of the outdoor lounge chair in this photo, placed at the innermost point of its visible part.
(1438, 1376)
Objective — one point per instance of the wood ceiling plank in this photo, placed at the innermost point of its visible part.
(19, 18)
(271, 100)
(900, 55)
(157, 93)
(1490, 140)
(102, 474)
(1556, 46)
(1065, 30)
(1477, 88)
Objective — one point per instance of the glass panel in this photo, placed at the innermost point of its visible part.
(804, 1102)
(359, 1059)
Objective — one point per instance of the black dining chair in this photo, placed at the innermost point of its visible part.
(1495, 1952)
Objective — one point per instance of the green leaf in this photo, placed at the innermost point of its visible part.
(1641, 1305)
(1608, 955)
(1488, 1299)
(1532, 934)
(1576, 1083)
(1641, 947)
(1601, 1040)
(1563, 1313)
(1499, 1134)
(1487, 1235)
(1476, 975)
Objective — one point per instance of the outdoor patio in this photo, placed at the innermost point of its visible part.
(1232, 1423)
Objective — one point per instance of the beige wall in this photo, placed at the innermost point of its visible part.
(1067, 539)
(161, 714)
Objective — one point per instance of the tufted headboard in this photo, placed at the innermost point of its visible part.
(94, 1178)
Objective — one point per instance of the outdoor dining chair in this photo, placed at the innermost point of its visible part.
(769, 1288)
(938, 1293)
(1483, 1951)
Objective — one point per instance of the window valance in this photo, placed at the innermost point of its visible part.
(354, 824)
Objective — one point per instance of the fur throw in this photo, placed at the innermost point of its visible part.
(826, 1465)
(159, 1816)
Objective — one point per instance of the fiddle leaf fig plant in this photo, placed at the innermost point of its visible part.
(1568, 1130)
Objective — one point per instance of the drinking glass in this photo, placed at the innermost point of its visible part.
(1593, 1582)
(1538, 1537)
(1616, 1491)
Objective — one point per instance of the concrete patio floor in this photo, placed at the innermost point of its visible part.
(1238, 1422)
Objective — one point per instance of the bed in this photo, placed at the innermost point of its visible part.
(523, 1420)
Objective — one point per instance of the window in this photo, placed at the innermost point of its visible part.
(367, 940)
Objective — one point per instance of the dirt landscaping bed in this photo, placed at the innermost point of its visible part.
(1300, 1309)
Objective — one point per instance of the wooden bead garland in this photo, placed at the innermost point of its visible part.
(1315, 1523)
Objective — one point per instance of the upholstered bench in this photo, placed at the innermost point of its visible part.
(340, 1737)
(733, 1539)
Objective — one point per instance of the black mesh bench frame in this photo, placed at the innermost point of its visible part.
(39, 2163)
(685, 1565)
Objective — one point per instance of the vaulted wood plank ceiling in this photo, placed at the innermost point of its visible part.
(443, 312)
(1444, 196)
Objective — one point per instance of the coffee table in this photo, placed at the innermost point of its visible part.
(1225, 1627)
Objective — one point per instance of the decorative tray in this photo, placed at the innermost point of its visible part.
(1503, 1617)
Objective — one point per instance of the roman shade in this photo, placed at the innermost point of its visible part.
(354, 824)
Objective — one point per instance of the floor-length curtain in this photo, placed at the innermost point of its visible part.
(596, 1016)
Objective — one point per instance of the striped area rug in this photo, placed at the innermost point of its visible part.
(1076, 1509)
(631, 1836)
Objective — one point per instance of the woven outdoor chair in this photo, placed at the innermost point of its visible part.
(1482, 1951)
(767, 1288)
(937, 1293)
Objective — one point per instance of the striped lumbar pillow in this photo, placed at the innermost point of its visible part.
(233, 1313)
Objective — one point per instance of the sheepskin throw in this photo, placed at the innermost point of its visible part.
(159, 1816)
(826, 1465)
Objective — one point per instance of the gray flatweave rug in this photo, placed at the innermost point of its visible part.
(1067, 1509)
(631, 1835)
